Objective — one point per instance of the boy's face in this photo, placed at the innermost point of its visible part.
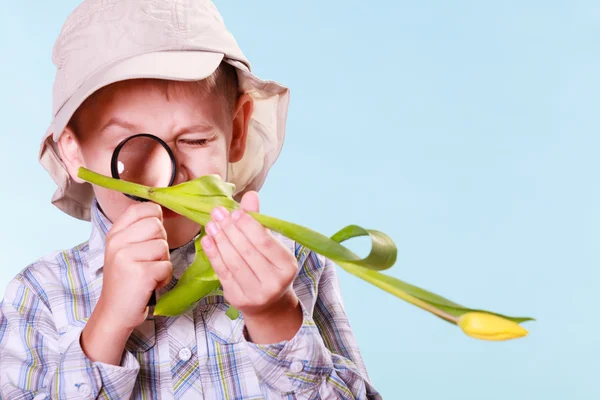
(203, 132)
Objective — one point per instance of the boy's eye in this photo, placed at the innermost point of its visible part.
(194, 142)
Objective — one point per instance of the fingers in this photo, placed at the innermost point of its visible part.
(162, 272)
(140, 223)
(260, 266)
(250, 202)
(262, 239)
(151, 250)
(135, 213)
(254, 267)
(236, 265)
(230, 285)
(141, 231)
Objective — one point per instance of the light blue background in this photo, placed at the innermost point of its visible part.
(466, 130)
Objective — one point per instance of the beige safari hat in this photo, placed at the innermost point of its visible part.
(106, 41)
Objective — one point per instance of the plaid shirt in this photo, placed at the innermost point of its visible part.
(201, 354)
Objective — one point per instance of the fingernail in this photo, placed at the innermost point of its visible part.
(219, 213)
(212, 228)
(236, 215)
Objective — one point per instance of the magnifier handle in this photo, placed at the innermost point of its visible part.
(152, 301)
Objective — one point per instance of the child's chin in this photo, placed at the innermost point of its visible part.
(180, 231)
(169, 214)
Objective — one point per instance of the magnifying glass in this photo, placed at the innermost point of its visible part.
(144, 159)
(147, 160)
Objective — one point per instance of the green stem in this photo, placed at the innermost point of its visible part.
(115, 184)
(371, 277)
(307, 237)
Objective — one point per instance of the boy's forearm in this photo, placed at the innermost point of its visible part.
(102, 341)
(276, 326)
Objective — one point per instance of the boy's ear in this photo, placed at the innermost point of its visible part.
(70, 152)
(241, 120)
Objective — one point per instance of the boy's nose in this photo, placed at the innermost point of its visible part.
(177, 158)
(181, 172)
(180, 177)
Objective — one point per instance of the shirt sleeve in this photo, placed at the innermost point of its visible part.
(33, 367)
(323, 359)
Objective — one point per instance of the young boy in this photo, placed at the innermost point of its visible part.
(75, 324)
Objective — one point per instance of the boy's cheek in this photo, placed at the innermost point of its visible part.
(213, 163)
(96, 157)
(112, 203)
(180, 231)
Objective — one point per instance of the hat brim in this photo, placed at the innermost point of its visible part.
(266, 128)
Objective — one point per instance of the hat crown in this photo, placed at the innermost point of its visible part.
(101, 32)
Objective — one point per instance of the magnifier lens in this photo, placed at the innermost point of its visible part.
(146, 161)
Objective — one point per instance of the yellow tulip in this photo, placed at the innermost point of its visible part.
(485, 326)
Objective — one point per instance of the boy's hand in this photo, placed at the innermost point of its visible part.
(136, 262)
(256, 271)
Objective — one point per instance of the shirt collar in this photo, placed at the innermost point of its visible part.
(181, 257)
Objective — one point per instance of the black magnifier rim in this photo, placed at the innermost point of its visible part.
(115, 159)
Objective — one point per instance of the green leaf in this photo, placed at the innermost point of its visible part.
(198, 196)
(383, 250)
(198, 281)
(232, 313)
(424, 299)
(200, 268)
(458, 311)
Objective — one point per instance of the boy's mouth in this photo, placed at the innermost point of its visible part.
(169, 213)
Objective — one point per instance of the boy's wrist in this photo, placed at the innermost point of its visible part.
(111, 324)
(276, 324)
(102, 340)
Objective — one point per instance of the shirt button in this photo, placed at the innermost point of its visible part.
(85, 390)
(296, 367)
(185, 354)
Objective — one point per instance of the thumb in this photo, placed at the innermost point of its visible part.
(250, 202)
